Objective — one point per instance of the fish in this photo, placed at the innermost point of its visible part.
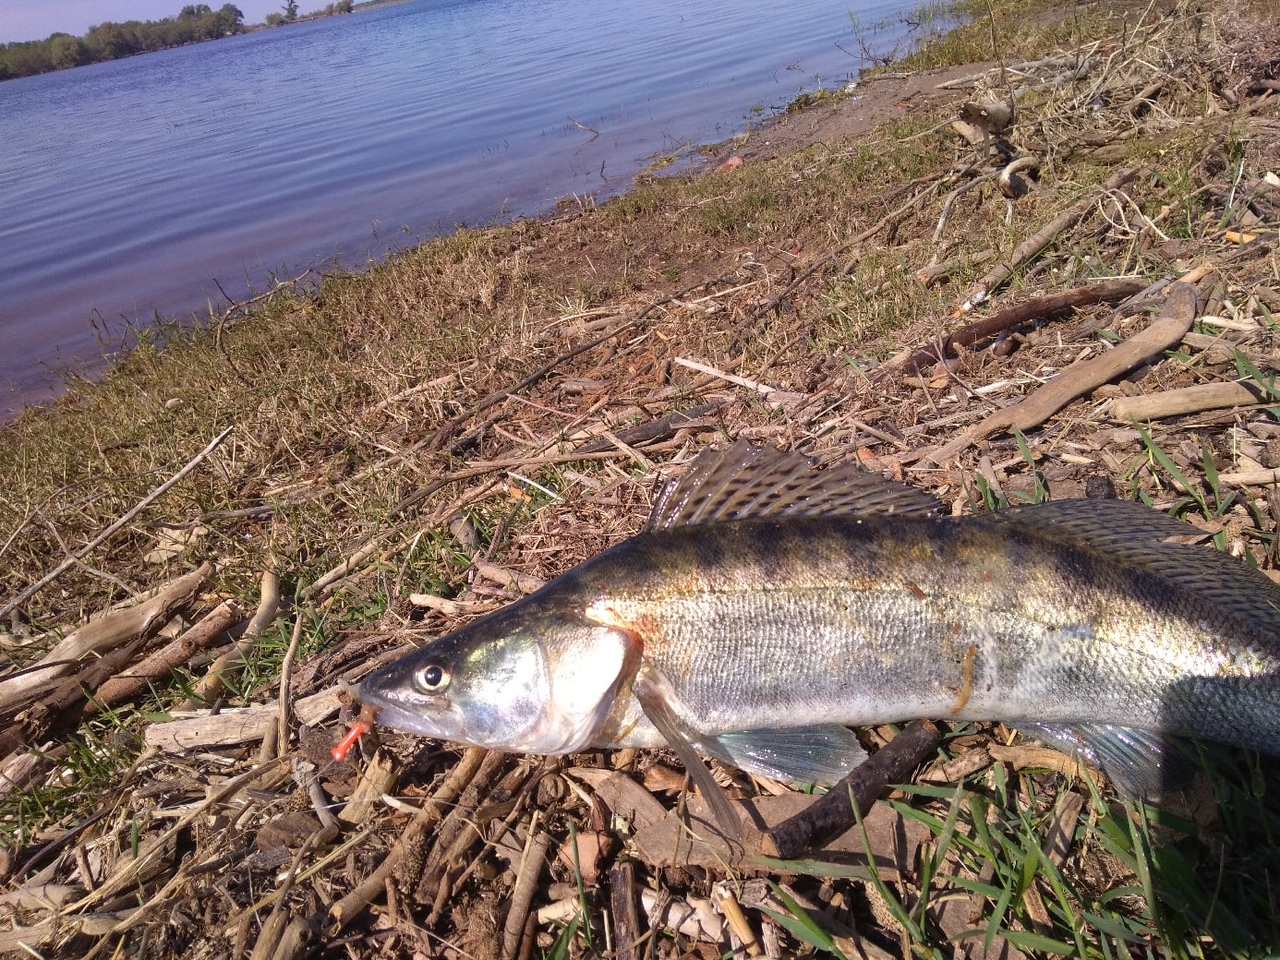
(768, 606)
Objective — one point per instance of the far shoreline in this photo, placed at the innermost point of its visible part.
(244, 28)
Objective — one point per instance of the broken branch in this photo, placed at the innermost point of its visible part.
(1172, 403)
(835, 812)
(979, 330)
(1164, 332)
(102, 634)
(173, 655)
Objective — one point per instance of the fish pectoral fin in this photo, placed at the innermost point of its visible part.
(1142, 764)
(820, 754)
(653, 690)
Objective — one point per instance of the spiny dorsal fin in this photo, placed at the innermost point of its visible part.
(745, 481)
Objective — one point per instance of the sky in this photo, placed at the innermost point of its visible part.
(36, 19)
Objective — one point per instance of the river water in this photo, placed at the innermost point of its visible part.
(153, 184)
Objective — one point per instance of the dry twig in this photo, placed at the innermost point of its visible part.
(1029, 248)
(835, 811)
(25, 595)
(1038, 308)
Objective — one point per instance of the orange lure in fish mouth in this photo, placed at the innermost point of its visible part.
(363, 724)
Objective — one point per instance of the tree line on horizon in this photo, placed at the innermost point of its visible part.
(110, 41)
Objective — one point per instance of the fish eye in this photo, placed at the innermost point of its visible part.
(432, 678)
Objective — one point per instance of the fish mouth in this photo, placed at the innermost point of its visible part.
(388, 713)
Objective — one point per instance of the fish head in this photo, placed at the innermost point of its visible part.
(523, 679)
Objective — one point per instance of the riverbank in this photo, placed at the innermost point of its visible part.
(383, 459)
(212, 198)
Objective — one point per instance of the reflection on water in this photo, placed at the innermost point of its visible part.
(130, 187)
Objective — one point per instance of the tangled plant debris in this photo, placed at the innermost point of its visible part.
(203, 550)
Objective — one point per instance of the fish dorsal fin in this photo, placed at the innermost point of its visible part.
(1103, 524)
(746, 481)
(1136, 535)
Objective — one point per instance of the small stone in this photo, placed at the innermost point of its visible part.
(1100, 488)
(1271, 453)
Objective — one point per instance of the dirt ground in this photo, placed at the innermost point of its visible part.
(873, 102)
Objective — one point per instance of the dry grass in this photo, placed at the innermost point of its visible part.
(432, 423)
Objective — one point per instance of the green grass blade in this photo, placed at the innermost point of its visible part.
(800, 925)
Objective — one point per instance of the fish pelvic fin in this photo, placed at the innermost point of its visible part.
(653, 690)
(746, 480)
(821, 754)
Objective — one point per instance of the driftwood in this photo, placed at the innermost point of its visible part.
(996, 323)
(1172, 403)
(276, 740)
(63, 707)
(1250, 478)
(20, 769)
(1087, 375)
(1010, 184)
(103, 634)
(235, 727)
(379, 776)
(772, 395)
(161, 664)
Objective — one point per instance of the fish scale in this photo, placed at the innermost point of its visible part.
(768, 606)
(831, 640)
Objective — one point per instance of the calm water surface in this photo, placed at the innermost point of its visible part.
(139, 186)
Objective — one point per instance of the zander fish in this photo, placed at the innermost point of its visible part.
(767, 605)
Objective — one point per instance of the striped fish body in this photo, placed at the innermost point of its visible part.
(768, 606)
